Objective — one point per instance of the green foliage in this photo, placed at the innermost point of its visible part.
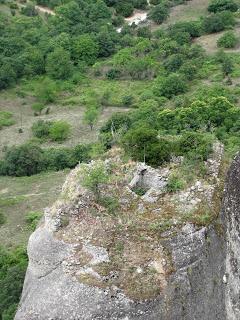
(159, 13)
(94, 177)
(170, 86)
(227, 40)
(30, 159)
(218, 22)
(127, 100)
(53, 130)
(124, 8)
(13, 266)
(142, 144)
(59, 131)
(32, 219)
(6, 119)
(46, 91)
(195, 145)
(90, 116)
(24, 160)
(175, 183)
(59, 65)
(38, 107)
(29, 10)
(84, 49)
(110, 203)
(2, 218)
(222, 5)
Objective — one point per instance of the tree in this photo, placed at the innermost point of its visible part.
(124, 8)
(90, 116)
(159, 13)
(59, 65)
(94, 176)
(29, 10)
(59, 131)
(24, 160)
(222, 5)
(142, 144)
(170, 86)
(84, 49)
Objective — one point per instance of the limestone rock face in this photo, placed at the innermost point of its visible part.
(86, 263)
(231, 213)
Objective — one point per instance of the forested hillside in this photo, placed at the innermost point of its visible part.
(78, 78)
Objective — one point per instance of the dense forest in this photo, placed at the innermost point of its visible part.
(151, 88)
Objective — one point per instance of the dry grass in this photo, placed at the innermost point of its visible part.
(19, 196)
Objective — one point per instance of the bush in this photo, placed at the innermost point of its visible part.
(2, 218)
(142, 144)
(24, 160)
(59, 131)
(175, 183)
(195, 145)
(6, 119)
(170, 86)
(127, 100)
(46, 91)
(228, 40)
(218, 22)
(41, 129)
(32, 219)
(125, 9)
(159, 13)
(29, 10)
(38, 108)
(222, 5)
(13, 265)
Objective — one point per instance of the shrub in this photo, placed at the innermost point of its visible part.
(29, 10)
(159, 13)
(127, 100)
(32, 219)
(142, 144)
(94, 177)
(195, 145)
(125, 9)
(13, 266)
(222, 5)
(41, 129)
(38, 107)
(24, 160)
(218, 22)
(46, 91)
(2, 218)
(6, 119)
(170, 86)
(175, 183)
(59, 131)
(228, 40)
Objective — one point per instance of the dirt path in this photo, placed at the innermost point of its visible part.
(45, 10)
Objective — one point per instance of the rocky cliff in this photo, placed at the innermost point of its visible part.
(142, 253)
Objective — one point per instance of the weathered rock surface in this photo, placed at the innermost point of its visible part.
(101, 267)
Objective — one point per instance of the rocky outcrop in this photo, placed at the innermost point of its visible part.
(231, 214)
(147, 260)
